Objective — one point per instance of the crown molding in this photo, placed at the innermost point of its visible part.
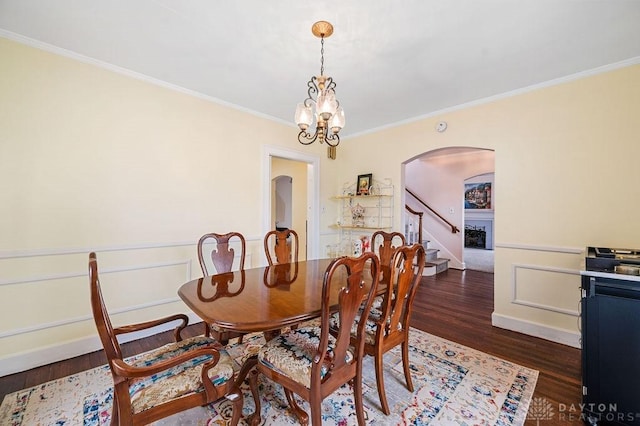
(133, 74)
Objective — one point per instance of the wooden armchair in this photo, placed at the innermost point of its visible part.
(216, 256)
(312, 363)
(388, 326)
(173, 378)
(278, 246)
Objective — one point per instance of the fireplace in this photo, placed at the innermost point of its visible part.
(478, 234)
(475, 237)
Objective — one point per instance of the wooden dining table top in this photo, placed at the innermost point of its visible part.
(260, 299)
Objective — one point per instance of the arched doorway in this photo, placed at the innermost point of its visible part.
(438, 179)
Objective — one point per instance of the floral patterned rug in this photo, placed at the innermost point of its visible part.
(453, 384)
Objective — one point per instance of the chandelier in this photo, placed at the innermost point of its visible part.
(321, 104)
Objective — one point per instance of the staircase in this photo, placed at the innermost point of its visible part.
(434, 264)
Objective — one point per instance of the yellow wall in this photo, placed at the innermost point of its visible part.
(94, 160)
(567, 171)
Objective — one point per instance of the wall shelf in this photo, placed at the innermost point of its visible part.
(361, 215)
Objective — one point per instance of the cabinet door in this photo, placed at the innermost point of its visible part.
(611, 353)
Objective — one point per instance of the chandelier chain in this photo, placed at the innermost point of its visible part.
(322, 55)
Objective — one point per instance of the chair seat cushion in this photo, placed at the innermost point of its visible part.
(379, 300)
(180, 380)
(370, 327)
(291, 354)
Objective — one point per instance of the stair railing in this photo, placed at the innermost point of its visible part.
(419, 214)
(454, 229)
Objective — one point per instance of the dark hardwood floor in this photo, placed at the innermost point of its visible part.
(455, 305)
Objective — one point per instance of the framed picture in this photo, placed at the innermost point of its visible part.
(477, 196)
(364, 183)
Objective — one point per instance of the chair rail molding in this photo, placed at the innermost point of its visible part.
(555, 249)
(20, 254)
(43, 326)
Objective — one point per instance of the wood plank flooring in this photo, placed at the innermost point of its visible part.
(455, 305)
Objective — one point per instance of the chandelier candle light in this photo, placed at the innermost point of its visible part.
(325, 108)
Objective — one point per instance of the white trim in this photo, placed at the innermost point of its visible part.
(554, 249)
(108, 271)
(549, 83)
(21, 254)
(83, 318)
(27, 360)
(151, 80)
(313, 192)
(135, 75)
(514, 288)
(554, 334)
(67, 321)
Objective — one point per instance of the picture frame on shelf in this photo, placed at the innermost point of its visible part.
(364, 184)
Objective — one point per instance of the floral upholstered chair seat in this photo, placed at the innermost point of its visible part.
(370, 327)
(180, 380)
(291, 354)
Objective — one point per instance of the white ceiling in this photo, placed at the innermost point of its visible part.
(393, 61)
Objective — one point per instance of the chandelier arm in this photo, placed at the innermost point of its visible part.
(307, 138)
(331, 138)
(312, 90)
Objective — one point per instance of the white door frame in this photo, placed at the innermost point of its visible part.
(313, 191)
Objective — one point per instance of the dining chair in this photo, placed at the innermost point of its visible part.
(281, 246)
(384, 245)
(309, 361)
(217, 256)
(217, 248)
(388, 326)
(170, 379)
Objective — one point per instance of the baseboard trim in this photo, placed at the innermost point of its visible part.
(558, 335)
(27, 360)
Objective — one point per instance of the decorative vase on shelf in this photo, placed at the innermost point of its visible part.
(357, 248)
(357, 214)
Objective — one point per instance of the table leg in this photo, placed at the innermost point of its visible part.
(270, 334)
(246, 368)
(255, 418)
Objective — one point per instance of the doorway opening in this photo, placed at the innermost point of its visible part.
(305, 171)
(441, 178)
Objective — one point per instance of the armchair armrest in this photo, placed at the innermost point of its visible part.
(126, 371)
(149, 324)
(122, 368)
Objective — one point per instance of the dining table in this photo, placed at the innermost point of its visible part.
(263, 299)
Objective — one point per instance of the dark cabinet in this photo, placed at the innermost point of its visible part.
(611, 349)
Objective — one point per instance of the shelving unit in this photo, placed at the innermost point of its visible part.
(376, 214)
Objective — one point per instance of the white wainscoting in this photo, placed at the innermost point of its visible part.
(45, 354)
(567, 337)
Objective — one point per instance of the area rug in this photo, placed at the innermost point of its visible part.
(453, 384)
